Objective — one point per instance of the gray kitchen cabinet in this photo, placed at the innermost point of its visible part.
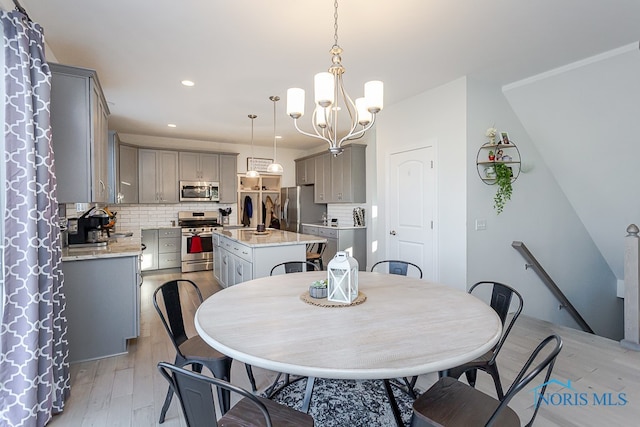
(217, 257)
(352, 240)
(228, 178)
(150, 253)
(127, 174)
(157, 176)
(169, 240)
(79, 131)
(305, 171)
(102, 305)
(340, 179)
(322, 188)
(162, 248)
(199, 167)
(348, 175)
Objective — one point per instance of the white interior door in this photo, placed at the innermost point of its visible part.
(411, 207)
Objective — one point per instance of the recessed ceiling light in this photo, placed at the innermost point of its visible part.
(171, 125)
(188, 83)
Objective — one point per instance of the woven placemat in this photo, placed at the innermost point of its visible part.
(323, 302)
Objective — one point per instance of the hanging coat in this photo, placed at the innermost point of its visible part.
(247, 212)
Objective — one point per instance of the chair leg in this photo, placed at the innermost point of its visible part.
(165, 406)
(252, 379)
(471, 375)
(493, 371)
(167, 400)
(222, 369)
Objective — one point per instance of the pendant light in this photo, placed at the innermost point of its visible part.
(274, 167)
(252, 173)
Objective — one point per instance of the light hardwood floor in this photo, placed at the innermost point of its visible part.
(127, 390)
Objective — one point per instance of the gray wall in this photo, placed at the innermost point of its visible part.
(585, 120)
(453, 118)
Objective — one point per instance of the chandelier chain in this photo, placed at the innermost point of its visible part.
(335, 22)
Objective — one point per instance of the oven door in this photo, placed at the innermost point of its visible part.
(197, 246)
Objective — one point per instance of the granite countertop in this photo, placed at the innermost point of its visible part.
(339, 227)
(112, 250)
(273, 237)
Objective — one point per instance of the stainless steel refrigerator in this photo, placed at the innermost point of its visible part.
(298, 207)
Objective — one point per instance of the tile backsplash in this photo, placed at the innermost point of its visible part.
(344, 213)
(136, 217)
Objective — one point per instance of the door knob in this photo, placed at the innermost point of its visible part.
(392, 232)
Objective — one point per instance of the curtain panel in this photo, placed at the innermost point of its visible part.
(34, 368)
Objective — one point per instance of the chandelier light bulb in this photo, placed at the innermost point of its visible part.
(323, 85)
(295, 102)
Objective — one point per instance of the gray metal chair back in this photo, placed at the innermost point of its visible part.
(501, 298)
(294, 267)
(195, 392)
(452, 403)
(397, 267)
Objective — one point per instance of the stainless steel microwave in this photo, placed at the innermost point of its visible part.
(191, 191)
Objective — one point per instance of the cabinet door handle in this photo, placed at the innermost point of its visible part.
(392, 232)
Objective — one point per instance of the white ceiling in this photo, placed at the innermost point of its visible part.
(242, 51)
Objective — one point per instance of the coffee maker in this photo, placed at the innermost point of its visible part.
(87, 230)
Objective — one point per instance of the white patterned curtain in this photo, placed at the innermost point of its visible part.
(34, 368)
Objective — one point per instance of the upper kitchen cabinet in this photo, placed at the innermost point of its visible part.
(348, 177)
(123, 171)
(322, 180)
(128, 175)
(305, 171)
(202, 167)
(79, 131)
(228, 180)
(341, 179)
(158, 176)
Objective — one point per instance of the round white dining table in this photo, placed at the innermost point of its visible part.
(405, 327)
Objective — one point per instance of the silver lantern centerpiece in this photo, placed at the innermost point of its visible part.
(342, 272)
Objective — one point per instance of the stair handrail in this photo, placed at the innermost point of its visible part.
(533, 263)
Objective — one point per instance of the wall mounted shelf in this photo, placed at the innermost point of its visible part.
(507, 154)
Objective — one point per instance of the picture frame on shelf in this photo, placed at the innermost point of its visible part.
(258, 164)
(504, 138)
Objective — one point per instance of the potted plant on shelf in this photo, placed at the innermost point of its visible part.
(503, 181)
(492, 156)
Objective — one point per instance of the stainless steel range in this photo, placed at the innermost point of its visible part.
(197, 242)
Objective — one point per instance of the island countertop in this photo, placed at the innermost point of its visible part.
(272, 237)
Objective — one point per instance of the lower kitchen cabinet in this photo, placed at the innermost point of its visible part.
(352, 240)
(102, 305)
(162, 248)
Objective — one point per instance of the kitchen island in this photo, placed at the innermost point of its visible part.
(245, 254)
(102, 289)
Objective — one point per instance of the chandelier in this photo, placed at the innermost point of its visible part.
(274, 167)
(251, 168)
(333, 104)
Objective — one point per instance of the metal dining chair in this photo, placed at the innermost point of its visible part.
(452, 403)
(195, 392)
(189, 350)
(294, 267)
(501, 298)
(396, 267)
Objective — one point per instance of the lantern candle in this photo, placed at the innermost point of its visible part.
(342, 272)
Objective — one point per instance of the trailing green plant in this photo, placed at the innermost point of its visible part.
(503, 181)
